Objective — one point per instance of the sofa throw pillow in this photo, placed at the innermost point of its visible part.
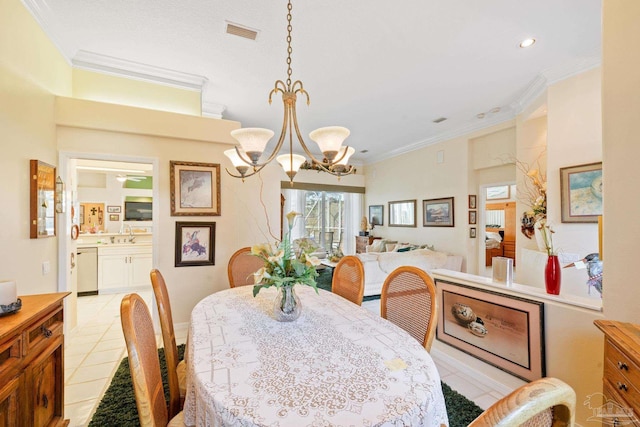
(377, 246)
(405, 249)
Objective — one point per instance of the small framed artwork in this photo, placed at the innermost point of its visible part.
(114, 209)
(472, 232)
(498, 192)
(195, 243)
(438, 212)
(472, 201)
(42, 194)
(581, 193)
(473, 217)
(114, 217)
(376, 215)
(195, 189)
(402, 213)
(503, 330)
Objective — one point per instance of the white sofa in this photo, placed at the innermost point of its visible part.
(378, 265)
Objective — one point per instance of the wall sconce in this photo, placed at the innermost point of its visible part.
(59, 195)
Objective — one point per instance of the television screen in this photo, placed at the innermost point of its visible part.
(137, 211)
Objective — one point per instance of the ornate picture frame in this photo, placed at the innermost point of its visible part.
(195, 243)
(195, 189)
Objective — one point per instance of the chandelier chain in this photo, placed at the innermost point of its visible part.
(289, 49)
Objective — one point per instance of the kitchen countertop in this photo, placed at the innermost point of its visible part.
(112, 245)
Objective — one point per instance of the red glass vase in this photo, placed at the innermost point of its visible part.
(552, 275)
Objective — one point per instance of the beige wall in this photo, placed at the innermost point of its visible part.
(119, 90)
(31, 71)
(574, 138)
(621, 127)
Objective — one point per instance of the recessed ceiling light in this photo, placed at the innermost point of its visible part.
(495, 110)
(480, 115)
(527, 42)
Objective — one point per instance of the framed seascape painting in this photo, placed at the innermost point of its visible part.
(195, 243)
(581, 193)
(195, 189)
(438, 212)
(503, 330)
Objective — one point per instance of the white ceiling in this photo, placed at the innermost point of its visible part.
(383, 69)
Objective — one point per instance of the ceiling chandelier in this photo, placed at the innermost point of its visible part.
(253, 141)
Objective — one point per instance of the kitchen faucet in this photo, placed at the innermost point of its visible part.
(131, 236)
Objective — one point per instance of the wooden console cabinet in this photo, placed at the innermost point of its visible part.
(362, 242)
(32, 363)
(621, 377)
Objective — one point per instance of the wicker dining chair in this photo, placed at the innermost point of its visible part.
(543, 402)
(144, 364)
(408, 299)
(348, 279)
(176, 370)
(241, 267)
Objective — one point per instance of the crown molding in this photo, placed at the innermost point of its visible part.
(536, 88)
(570, 69)
(466, 128)
(41, 12)
(211, 109)
(134, 70)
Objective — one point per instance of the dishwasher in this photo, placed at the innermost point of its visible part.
(87, 271)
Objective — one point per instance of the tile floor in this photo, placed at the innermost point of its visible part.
(94, 351)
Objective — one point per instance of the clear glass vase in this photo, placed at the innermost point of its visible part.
(287, 306)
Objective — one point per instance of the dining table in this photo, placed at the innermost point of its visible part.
(338, 364)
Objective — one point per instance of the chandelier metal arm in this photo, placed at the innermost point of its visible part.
(246, 175)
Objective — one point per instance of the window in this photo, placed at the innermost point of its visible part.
(330, 218)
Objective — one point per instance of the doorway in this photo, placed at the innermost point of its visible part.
(497, 224)
(101, 184)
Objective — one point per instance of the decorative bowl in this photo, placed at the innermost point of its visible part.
(10, 308)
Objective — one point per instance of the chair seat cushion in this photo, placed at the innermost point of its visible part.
(177, 421)
(182, 378)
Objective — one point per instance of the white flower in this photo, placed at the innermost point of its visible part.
(313, 261)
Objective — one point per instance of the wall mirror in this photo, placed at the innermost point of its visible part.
(42, 197)
(402, 213)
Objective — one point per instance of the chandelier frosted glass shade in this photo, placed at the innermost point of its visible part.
(253, 141)
(240, 165)
(329, 140)
(291, 163)
(342, 165)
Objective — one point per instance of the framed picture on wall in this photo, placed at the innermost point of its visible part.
(376, 215)
(438, 212)
(473, 217)
(402, 213)
(195, 243)
(581, 193)
(472, 232)
(114, 217)
(498, 192)
(195, 189)
(509, 335)
(472, 201)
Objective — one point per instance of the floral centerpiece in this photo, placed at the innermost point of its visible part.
(283, 268)
(534, 192)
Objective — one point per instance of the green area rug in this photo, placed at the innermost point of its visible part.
(118, 406)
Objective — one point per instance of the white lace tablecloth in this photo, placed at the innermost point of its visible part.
(337, 365)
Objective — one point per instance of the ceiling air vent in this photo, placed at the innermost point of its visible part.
(439, 120)
(240, 31)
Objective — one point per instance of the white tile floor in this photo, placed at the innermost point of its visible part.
(94, 350)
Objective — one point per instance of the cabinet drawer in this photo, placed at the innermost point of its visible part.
(44, 330)
(621, 363)
(624, 413)
(616, 379)
(10, 354)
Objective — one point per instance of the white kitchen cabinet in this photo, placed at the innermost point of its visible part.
(123, 268)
